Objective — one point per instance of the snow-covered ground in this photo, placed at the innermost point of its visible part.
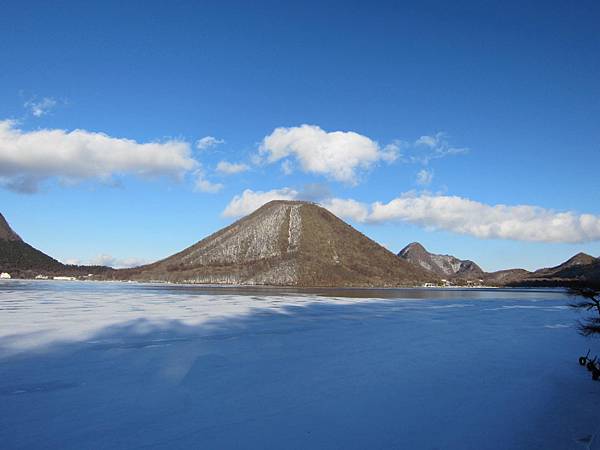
(101, 365)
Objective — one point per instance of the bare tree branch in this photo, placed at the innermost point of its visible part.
(591, 296)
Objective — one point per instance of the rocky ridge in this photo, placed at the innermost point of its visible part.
(444, 266)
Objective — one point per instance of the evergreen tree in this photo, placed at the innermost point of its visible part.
(589, 300)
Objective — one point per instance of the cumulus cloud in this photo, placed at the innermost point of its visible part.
(465, 216)
(117, 263)
(424, 177)
(39, 108)
(29, 157)
(340, 155)
(347, 208)
(250, 200)
(449, 213)
(208, 142)
(228, 168)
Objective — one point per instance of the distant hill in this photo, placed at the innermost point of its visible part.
(444, 266)
(572, 265)
(579, 270)
(285, 243)
(505, 277)
(21, 260)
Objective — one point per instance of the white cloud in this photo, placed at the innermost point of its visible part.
(340, 155)
(428, 141)
(228, 168)
(390, 152)
(449, 213)
(424, 177)
(29, 157)
(250, 200)
(428, 148)
(109, 261)
(208, 142)
(204, 185)
(39, 108)
(116, 263)
(464, 216)
(347, 208)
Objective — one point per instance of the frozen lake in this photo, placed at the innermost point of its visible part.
(123, 366)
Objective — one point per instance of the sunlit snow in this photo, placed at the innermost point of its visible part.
(117, 365)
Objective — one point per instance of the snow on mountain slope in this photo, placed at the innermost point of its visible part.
(285, 243)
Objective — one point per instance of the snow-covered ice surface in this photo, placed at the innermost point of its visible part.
(123, 366)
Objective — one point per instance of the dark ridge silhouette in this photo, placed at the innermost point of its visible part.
(21, 260)
(6, 232)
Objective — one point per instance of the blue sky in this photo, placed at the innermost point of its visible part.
(439, 111)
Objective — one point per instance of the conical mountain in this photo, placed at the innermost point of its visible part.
(414, 250)
(286, 243)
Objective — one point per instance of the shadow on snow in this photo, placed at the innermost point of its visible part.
(363, 375)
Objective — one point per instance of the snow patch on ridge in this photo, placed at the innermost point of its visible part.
(254, 240)
(294, 229)
(447, 264)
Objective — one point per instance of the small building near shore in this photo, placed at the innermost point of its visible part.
(64, 278)
(5, 276)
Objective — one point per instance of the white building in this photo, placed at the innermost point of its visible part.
(65, 278)
(5, 276)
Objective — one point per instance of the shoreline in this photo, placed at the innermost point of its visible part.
(289, 288)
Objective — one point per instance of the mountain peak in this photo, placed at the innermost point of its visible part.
(286, 242)
(579, 259)
(6, 232)
(288, 202)
(582, 258)
(579, 267)
(441, 265)
(413, 247)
